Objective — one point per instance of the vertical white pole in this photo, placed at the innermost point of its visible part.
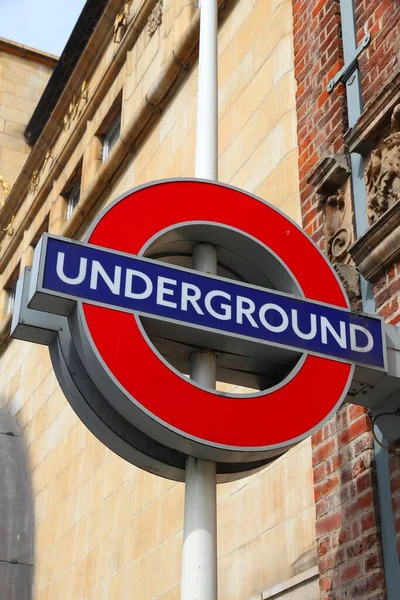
(199, 559)
(206, 166)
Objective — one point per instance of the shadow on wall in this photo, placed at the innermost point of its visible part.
(16, 514)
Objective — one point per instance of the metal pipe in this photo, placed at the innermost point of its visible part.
(204, 258)
(206, 164)
(354, 110)
(199, 557)
(388, 530)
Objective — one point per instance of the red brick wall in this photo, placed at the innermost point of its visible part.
(387, 294)
(381, 60)
(321, 116)
(348, 535)
(347, 527)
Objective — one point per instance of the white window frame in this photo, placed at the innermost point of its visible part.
(73, 198)
(111, 137)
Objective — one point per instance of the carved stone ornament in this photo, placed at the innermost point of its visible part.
(49, 156)
(35, 179)
(9, 230)
(330, 180)
(155, 19)
(5, 189)
(34, 184)
(76, 106)
(338, 228)
(382, 175)
(120, 23)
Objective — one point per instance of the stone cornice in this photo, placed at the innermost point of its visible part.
(376, 118)
(330, 173)
(374, 251)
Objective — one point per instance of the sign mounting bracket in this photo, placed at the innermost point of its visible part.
(348, 68)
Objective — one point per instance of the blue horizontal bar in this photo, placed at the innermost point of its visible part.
(100, 276)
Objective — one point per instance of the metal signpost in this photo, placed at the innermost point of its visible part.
(199, 558)
(189, 276)
(125, 316)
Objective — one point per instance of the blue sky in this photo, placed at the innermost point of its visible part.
(42, 24)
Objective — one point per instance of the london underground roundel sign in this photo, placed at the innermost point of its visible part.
(275, 315)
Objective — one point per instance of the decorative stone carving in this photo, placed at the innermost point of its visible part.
(338, 228)
(395, 118)
(155, 19)
(84, 94)
(75, 106)
(377, 133)
(68, 118)
(34, 184)
(5, 189)
(120, 23)
(35, 179)
(331, 182)
(382, 175)
(49, 156)
(9, 230)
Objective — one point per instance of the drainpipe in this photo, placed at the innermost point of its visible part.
(350, 75)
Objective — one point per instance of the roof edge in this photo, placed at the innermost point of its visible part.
(17, 49)
(81, 33)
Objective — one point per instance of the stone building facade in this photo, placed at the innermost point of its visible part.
(119, 110)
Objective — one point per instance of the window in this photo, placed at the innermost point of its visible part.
(72, 191)
(111, 136)
(73, 197)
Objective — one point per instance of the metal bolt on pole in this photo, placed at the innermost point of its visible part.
(199, 558)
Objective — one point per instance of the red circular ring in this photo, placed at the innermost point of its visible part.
(274, 418)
